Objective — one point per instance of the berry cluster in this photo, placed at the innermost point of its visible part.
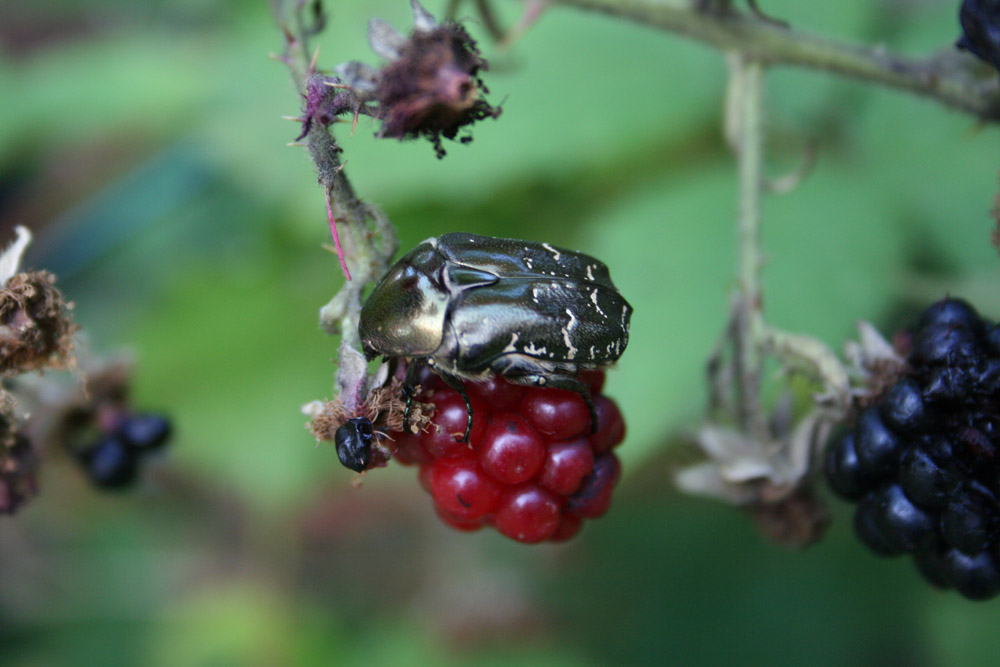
(113, 461)
(922, 463)
(531, 468)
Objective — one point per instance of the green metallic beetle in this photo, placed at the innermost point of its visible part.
(470, 306)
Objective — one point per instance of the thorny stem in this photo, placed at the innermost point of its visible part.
(955, 80)
(369, 239)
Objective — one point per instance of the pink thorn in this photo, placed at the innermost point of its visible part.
(336, 237)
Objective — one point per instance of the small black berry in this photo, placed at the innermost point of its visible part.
(868, 531)
(877, 447)
(952, 314)
(903, 408)
(925, 481)
(843, 470)
(354, 443)
(931, 562)
(111, 464)
(947, 383)
(904, 526)
(980, 21)
(975, 577)
(969, 522)
(146, 432)
(945, 342)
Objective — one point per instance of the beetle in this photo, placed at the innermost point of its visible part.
(354, 443)
(469, 306)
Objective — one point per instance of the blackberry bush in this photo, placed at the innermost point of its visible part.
(921, 462)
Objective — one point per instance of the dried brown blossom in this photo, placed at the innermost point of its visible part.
(35, 329)
(429, 88)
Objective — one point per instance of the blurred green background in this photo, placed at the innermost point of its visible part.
(143, 144)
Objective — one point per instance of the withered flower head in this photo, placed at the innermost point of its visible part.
(35, 329)
(429, 88)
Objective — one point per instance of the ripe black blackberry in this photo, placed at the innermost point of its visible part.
(922, 462)
(115, 459)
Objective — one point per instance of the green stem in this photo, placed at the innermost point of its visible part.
(368, 238)
(953, 79)
(749, 88)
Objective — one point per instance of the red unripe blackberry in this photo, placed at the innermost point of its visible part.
(527, 513)
(512, 451)
(594, 380)
(569, 526)
(610, 425)
(410, 449)
(444, 438)
(461, 489)
(465, 525)
(557, 413)
(497, 393)
(594, 496)
(566, 464)
(532, 469)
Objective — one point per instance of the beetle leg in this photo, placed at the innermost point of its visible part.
(410, 389)
(457, 385)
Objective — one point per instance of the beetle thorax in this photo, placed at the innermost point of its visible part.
(404, 316)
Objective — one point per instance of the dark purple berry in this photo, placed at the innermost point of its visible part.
(993, 340)
(904, 526)
(867, 530)
(952, 313)
(354, 443)
(944, 343)
(947, 383)
(969, 522)
(925, 481)
(111, 464)
(980, 21)
(843, 471)
(877, 447)
(986, 376)
(975, 577)
(932, 564)
(903, 407)
(147, 432)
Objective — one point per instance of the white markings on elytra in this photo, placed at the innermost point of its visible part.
(510, 346)
(532, 350)
(590, 272)
(555, 253)
(527, 262)
(593, 297)
(571, 350)
(591, 351)
(534, 294)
